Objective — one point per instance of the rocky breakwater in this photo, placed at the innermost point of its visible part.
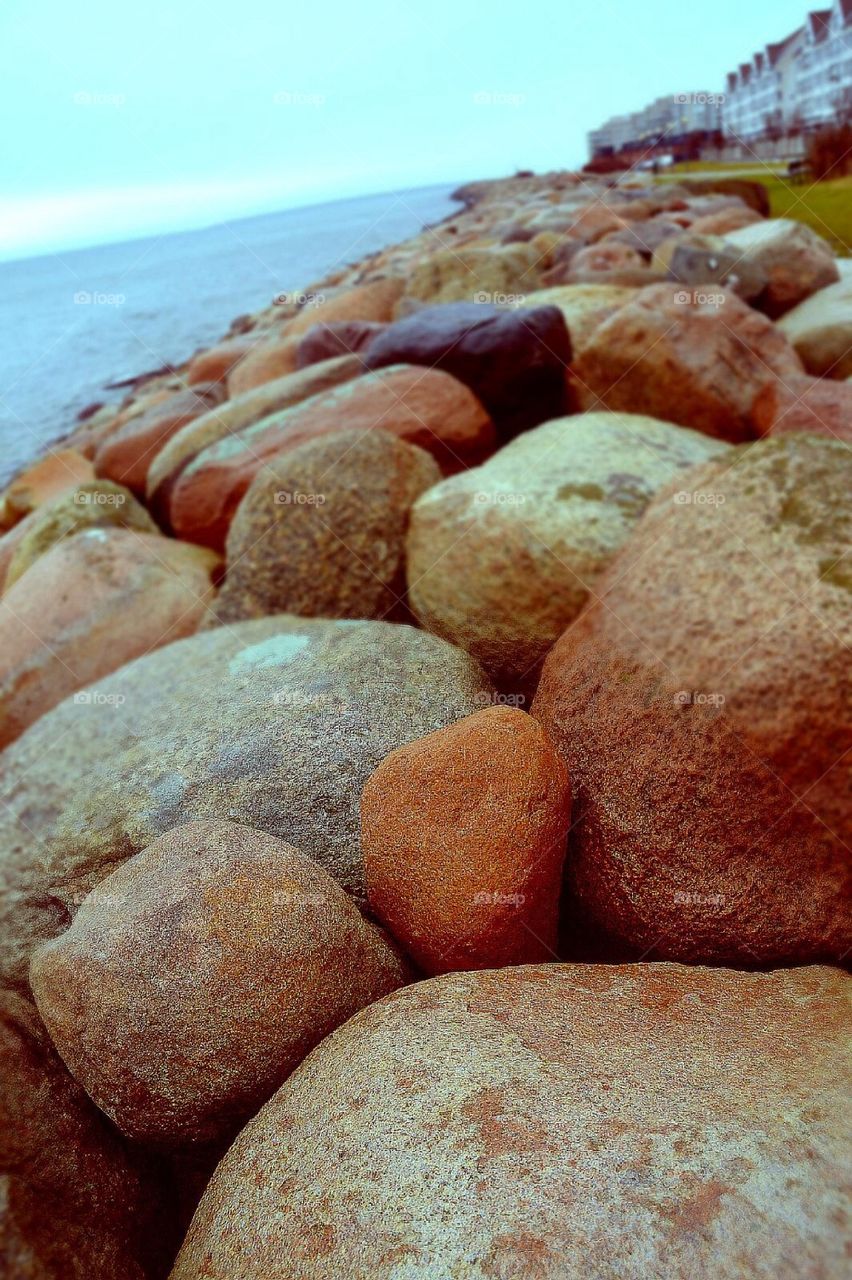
(424, 789)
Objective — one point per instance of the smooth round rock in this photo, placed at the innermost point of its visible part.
(464, 835)
(502, 558)
(321, 531)
(275, 723)
(704, 709)
(556, 1122)
(196, 977)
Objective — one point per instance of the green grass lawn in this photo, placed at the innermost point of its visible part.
(825, 206)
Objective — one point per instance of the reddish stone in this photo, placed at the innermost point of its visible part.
(127, 453)
(374, 301)
(345, 337)
(425, 407)
(464, 834)
(59, 471)
(264, 363)
(817, 406)
(214, 364)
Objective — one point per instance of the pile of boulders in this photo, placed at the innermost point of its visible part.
(426, 785)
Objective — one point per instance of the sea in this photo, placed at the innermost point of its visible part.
(73, 322)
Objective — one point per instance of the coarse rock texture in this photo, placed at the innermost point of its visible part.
(552, 1122)
(198, 975)
(74, 1204)
(476, 275)
(345, 337)
(820, 328)
(265, 362)
(93, 602)
(51, 476)
(464, 835)
(96, 504)
(214, 364)
(584, 306)
(818, 406)
(704, 710)
(126, 453)
(607, 256)
(423, 406)
(374, 300)
(721, 223)
(234, 415)
(513, 361)
(689, 357)
(275, 723)
(321, 531)
(502, 558)
(797, 262)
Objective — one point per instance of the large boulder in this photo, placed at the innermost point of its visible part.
(215, 363)
(74, 1203)
(45, 480)
(476, 275)
(425, 407)
(95, 601)
(199, 974)
(321, 531)
(584, 306)
(374, 300)
(502, 558)
(704, 709)
(556, 1122)
(96, 504)
(265, 362)
(820, 328)
(514, 362)
(125, 455)
(698, 358)
(343, 338)
(796, 261)
(275, 723)
(464, 835)
(818, 406)
(240, 412)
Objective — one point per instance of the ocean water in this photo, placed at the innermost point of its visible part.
(72, 322)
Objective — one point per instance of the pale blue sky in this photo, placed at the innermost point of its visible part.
(120, 120)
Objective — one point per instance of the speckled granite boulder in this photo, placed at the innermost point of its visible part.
(275, 723)
(558, 1122)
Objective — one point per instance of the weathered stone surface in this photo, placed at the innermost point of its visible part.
(584, 306)
(476, 275)
(321, 531)
(699, 358)
(126, 454)
(515, 363)
(464, 835)
(96, 504)
(820, 328)
(275, 723)
(704, 710)
(502, 558)
(796, 261)
(817, 406)
(55, 474)
(95, 601)
(264, 362)
(73, 1202)
(724, 221)
(423, 406)
(328, 341)
(199, 974)
(607, 255)
(215, 363)
(374, 300)
(556, 1122)
(242, 411)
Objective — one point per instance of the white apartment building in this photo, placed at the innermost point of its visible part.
(824, 70)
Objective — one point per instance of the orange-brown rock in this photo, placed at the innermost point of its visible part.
(552, 1122)
(704, 709)
(372, 301)
(126, 454)
(722, 223)
(241, 411)
(59, 471)
(85, 608)
(606, 256)
(464, 835)
(342, 338)
(426, 407)
(817, 406)
(265, 362)
(74, 1202)
(796, 261)
(197, 976)
(695, 357)
(214, 364)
